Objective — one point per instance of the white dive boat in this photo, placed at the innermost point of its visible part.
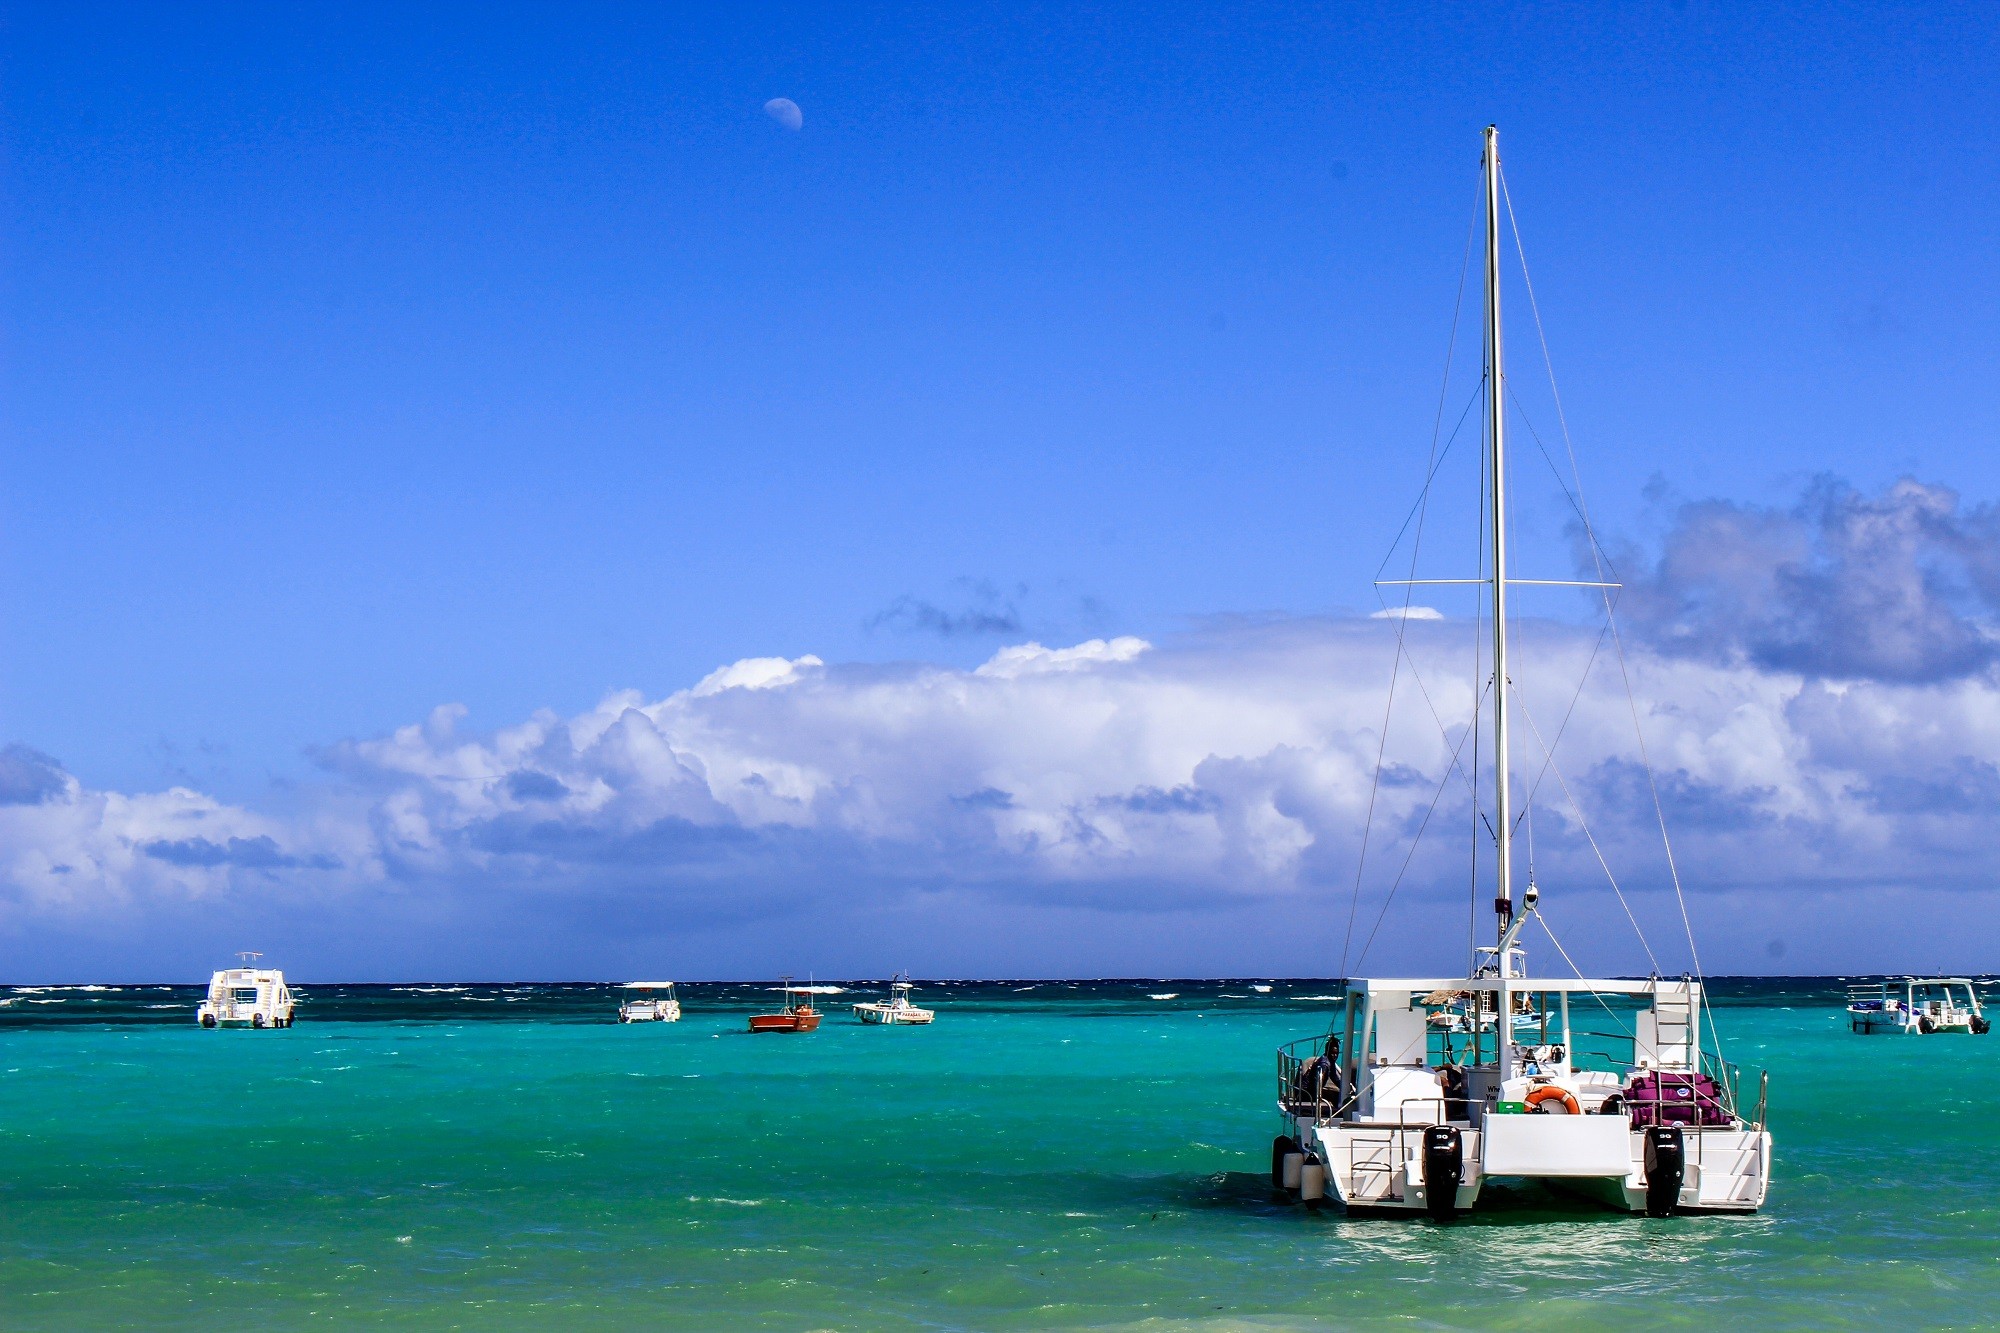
(1429, 1088)
(247, 997)
(1924, 1005)
(897, 1008)
(655, 1002)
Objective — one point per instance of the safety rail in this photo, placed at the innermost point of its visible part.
(1294, 1094)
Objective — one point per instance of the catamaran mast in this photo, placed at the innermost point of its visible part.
(1496, 464)
(1503, 902)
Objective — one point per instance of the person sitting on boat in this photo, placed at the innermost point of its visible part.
(1318, 1079)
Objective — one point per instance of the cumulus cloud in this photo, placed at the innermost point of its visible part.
(29, 777)
(1223, 770)
(1902, 585)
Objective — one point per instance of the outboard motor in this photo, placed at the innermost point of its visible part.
(1666, 1167)
(1444, 1158)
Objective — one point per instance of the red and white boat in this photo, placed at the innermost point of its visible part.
(798, 1015)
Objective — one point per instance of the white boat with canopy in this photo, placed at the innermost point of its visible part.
(1925, 1006)
(652, 1002)
(247, 997)
(1428, 1089)
(897, 1009)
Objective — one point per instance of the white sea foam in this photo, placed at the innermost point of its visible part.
(1319, 997)
(1261, 990)
(1166, 995)
(816, 990)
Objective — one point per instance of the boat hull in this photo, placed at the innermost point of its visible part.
(889, 1016)
(1379, 1169)
(1883, 1024)
(792, 1022)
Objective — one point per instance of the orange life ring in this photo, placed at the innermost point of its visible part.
(1549, 1092)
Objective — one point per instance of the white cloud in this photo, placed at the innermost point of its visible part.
(1032, 659)
(1230, 765)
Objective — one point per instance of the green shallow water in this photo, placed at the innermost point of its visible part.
(1065, 1156)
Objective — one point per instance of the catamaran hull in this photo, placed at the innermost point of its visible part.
(1879, 1025)
(1380, 1169)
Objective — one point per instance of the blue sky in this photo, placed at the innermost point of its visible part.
(358, 364)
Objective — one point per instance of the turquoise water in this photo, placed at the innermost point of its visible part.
(1071, 1155)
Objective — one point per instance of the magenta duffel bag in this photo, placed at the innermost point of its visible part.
(1660, 1097)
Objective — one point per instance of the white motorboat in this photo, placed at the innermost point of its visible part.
(1923, 1005)
(655, 1002)
(1430, 1088)
(896, 1009)
(247, 997)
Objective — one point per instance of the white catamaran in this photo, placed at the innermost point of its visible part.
(1921, 1005)
(247, 997)
(1429, 1088)
(896, 1010)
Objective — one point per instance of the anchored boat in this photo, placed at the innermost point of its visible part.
(655, 1002)
(247, 997)
(897, 1009)
(1427, 1089)
(1923, 1005)
(798, 1015)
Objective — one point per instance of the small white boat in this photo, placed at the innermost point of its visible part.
(247, 997)
(656, 1002)
(897, 1008)
(1923, 1005)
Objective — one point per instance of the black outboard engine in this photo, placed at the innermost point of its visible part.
(1444, 1159)
(1666, 1167)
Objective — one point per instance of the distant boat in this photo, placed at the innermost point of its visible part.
(655, 1003)
(1926, 1006)
(247, 997)
(798, 1015)
(897, 1009)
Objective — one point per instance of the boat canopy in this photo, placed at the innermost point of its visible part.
(649, 985)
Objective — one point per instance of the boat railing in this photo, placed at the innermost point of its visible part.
(1727, 1080)
(1293, 1057)
(1610, 1052)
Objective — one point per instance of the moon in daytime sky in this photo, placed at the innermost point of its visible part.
(785, 111)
